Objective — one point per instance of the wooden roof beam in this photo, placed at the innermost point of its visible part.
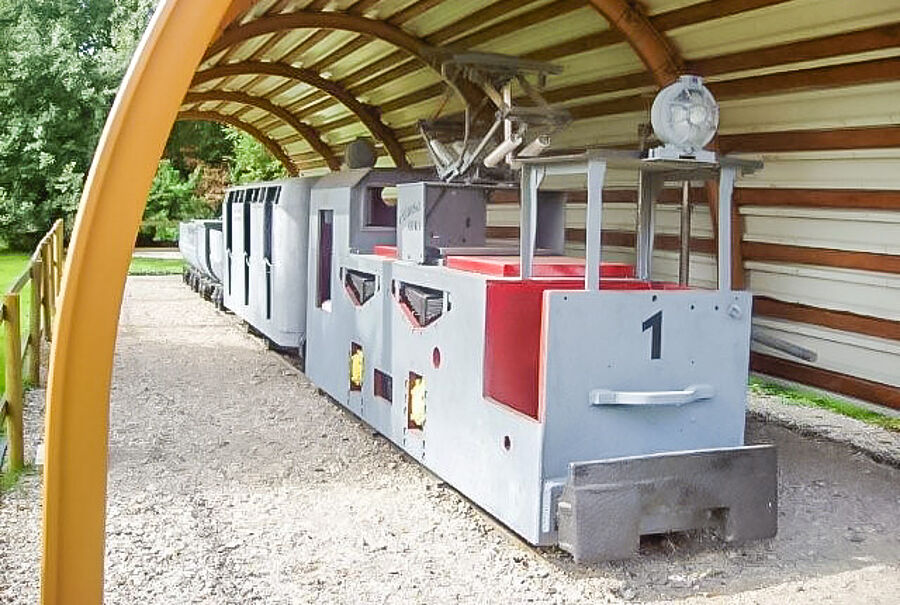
(367, 114)
(307, 132)
(269, 143)
(656, 52)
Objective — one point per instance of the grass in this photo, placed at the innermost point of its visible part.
(9, 479)
(11, 266)
(156, 266)
(815, 400)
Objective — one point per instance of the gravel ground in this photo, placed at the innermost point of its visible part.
(232, 481)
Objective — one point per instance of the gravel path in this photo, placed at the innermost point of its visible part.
(232, 481)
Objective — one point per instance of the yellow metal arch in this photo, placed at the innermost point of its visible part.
(99, 254)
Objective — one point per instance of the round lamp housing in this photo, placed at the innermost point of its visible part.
(685, 116)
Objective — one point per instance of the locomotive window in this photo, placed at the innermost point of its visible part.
(383, 386)
(323, 278)
(377, 213)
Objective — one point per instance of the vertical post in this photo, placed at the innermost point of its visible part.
(60, 253)
(14, 382)
(46, 290)
(34, 324)
(530, 182)
(596, 174)
(648, 190)
(726, 187)
(684, 258)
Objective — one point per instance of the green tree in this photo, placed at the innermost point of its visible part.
(60, 64)
(251, 161)
(193, 143)
(172, 198)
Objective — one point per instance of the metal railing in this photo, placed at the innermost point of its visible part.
(23, 358)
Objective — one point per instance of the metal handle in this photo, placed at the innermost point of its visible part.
(696, 392)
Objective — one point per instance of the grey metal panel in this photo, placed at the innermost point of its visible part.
(464, 432)
(278, 307)
(234, 279)
(327, 331)
(435, 215)
(600, 340)
(362, 238)
(187, 243)
(371, 329)
(209, 243)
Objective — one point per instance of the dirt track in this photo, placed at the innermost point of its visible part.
(232, 481)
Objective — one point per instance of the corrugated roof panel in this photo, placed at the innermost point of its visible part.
(594, 65)
(568, 26)
(244, 51)
(655, 7)
(374, 51)
(401, 87)
(450, 12)
(597, 132)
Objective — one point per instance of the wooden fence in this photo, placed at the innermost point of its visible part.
(23, 357)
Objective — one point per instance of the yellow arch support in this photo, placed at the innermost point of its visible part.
(99, 254)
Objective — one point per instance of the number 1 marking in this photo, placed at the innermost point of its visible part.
(654, 324)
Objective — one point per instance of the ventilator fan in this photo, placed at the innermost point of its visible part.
(685, 117)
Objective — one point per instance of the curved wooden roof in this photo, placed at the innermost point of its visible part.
(308, 76)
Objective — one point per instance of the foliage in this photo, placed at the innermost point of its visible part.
(156, 266)
(172, 198)
(251, 161)
(193, 143)
(61, 62)
(810, 399)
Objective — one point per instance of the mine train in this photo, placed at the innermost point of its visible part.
(579, 402)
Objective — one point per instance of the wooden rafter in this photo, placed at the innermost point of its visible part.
(657, 53)
(270, 24)
(270, 144)
(307, 132)
(366, 114)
